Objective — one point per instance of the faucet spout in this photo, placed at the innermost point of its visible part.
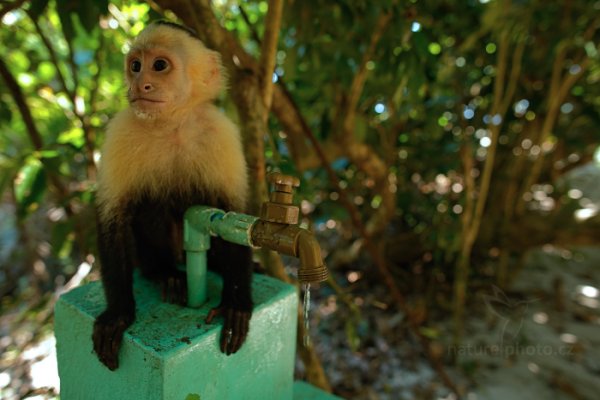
(312, 267)
(277, 230)
(293, 241)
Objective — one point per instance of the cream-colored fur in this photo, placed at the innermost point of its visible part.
(191, 147)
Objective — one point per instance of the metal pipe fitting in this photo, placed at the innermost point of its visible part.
(293, 241)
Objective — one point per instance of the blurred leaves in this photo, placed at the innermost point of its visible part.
(30, 186)
(66, 57)
(425, 104)
(423, 112)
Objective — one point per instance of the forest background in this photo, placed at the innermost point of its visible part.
(439, 145)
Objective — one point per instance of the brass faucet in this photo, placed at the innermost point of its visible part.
(277, 230)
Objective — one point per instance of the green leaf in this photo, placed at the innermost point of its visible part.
(30, 185)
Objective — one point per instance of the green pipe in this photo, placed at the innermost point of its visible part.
(199, 224)
(196, 278)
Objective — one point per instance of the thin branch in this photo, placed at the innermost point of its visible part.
(360, 77)
(557, 66)
(500, 78)
(556, 99)
(54, 59)
(513, 80)
(472, 222)
(266, 63)
(34, 134)
(559, 89)
(72, 94)
(571, 78)
(199, 15)
(466, 156)
(488, 168)
(19, 98)
(246, 19)
(363, 155)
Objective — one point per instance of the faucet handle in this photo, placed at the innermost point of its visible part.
(283, 183)
(280, 206)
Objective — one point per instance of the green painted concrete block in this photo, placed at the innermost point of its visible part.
(171, 353)
(305, 391)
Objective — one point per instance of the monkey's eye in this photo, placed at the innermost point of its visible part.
(160, 64)
(135, 66)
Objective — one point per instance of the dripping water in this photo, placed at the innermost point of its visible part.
(306, 308)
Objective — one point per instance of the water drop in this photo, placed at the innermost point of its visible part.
(306, 308)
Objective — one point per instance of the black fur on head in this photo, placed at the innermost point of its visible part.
(183, 28)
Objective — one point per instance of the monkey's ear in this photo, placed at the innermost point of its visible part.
(209, 76)
(214, 68)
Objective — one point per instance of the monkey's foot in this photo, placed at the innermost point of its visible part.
(174, 288)
(108, 335)
(235, 327)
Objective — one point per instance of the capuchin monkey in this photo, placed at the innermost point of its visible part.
(169, 150)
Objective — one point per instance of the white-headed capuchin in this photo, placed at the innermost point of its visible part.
(171, 149)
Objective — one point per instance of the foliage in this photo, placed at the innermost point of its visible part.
(414, 104)
(67, 64)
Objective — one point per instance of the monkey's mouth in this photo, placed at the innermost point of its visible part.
(145, 100)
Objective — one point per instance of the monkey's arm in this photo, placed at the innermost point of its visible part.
(235, 263)
(115, 246)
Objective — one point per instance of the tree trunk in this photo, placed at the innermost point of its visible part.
(249, 92)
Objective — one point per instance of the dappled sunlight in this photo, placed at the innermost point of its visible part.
(540, 318)
(588, 291)
(533, 367)
(353, 276)
(568, 338)
(43, 368)
(586, 213)
(588, 296)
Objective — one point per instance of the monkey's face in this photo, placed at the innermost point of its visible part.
(156, 80)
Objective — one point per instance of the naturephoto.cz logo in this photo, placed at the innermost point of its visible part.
(511, 314)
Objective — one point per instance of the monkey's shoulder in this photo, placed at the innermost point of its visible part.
(210, 119)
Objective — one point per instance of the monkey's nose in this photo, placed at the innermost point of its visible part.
(147, 87)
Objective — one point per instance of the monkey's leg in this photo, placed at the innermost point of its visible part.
(173, 282)
(115, 249)
(159, 244)
(235, 264)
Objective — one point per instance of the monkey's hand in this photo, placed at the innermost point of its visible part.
(235, 327)
(108, 335)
